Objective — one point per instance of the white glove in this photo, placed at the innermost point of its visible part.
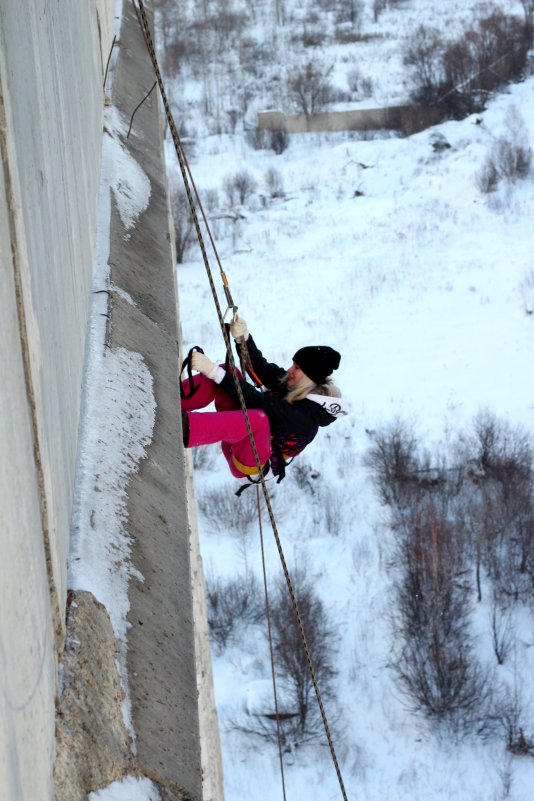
(205, 366)
(238, 329)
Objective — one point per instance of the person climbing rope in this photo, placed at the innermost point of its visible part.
(284, 420)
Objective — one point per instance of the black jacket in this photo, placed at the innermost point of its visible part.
(293, 425)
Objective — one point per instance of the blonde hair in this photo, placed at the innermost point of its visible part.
(307, 387)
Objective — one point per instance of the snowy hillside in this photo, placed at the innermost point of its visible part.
(388, 250)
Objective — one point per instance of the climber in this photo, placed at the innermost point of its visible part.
(283, 420)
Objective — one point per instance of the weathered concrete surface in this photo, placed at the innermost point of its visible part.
(51, 85)
(27, 665)
(161, 655)
(50, 137)
(93, 746)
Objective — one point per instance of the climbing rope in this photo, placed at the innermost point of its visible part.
(188, 184)
(271, 650)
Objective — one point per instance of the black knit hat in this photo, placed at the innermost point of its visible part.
(317, 361)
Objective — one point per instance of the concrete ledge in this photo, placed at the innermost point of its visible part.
(161, 650)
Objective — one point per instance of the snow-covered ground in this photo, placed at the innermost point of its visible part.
(423, 284)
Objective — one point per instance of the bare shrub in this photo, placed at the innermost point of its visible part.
(239, 186)
(446, 519)
(510, 715)
(500, 464)
(232, 604)
(435, 662)
(460, 75)
(347, 462)
(299, 719)
(254, 55)
(528, 10)
(202, 458)
(211, 200)
(350, 12)
(305, 477)
(310, 87)
(514, 154)
(332, 505)
(245, 185)
(229, 190)
(278, 140)
(274, 183)
(183, 223)
(393, 462)
(487, 177)
(366, 87)
(258, 138)
(512, 160)
(312, 35)
(510, 157)
(378, 7)
(359, 84)
(354, 77)
(224, 511)
(290, 657)
(275, 139)
(502, 633)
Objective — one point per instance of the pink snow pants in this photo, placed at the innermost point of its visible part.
(227, 426)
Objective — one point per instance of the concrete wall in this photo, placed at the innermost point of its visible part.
(409, 119)
(50, 137)
(51, 79)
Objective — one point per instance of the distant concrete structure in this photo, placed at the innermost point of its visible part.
(408, 119)
(61, 738)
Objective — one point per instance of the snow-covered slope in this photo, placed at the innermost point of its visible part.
(423, 283)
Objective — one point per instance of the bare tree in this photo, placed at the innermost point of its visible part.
(528, 10)
(423, 53)
(378, 7)
(310, 87)
(183, 223)
(459, 76)
(245, 185)
(239, 187)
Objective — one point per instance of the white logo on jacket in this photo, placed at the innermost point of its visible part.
(337, 407)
